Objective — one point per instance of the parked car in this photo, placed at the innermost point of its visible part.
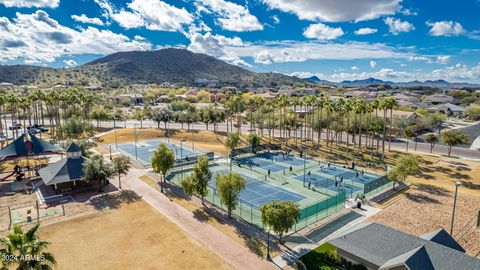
(33, 130)
(39, 127)
(15, 126)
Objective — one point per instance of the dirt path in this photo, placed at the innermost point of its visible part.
(224, 246)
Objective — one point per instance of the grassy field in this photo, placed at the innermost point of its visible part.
(133, 236)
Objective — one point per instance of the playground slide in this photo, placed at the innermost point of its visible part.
(6, 177)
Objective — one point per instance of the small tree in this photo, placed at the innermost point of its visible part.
(432, 139)
(454, 137)
(96, 170)
(409, 134)
(98, 114)
(280, 216)
(254, 141)
(197, 182)
(75, 128)
(231, 143)
(229, 187)
(121, 165)
(162, 161)
(406, 165)
(25, 250)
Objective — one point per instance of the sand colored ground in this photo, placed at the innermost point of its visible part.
(133, 236)
(427, 208)
(250, 242)
(205, 140)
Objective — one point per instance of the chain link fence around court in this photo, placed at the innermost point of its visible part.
(251, 214)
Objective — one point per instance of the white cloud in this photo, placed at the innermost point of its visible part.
(276, 20)
(396, 26)
(231, 16)
(321, 31)
(365, 31)
(383, 74)
(373, 64)
(151, 14)
(215, 45)
(70, 62)
(128, 19)
(443, 59)
(408, 12)
(263, 57)
(336, 11)
(84, 19)
(354, 68)
(31, 3)
(420, 58)
(295, 51)
(446, 28)
(37, 38)
(458, 73)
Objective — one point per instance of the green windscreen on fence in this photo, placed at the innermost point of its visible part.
(376, 185)
(250, 213)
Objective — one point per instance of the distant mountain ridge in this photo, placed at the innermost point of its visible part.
(166, 65)
(372, 81)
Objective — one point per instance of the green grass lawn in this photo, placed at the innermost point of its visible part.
(315, 259)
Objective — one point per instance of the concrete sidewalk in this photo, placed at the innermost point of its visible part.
(224, 246)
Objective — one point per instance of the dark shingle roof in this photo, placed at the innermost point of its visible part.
(379, 244)
(62, 171)
(74, 148)
(414, 259)
(443, 238)
(20, 147)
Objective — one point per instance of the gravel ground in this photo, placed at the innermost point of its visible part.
(429, 208)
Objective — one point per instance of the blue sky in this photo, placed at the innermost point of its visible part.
(397, 40)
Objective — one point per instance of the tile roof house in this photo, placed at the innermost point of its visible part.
(379, 247)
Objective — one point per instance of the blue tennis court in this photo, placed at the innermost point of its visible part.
(281, 157)
(145, 150)
(323, 182)
(347, 174)
(262, 163)
(259, 193)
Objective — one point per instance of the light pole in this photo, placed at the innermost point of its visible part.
(181, 152)
(268, 246)
(135, 137)
(457, 184)
(304, 163)
(116, 141)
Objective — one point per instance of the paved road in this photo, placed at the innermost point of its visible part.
(397, 144)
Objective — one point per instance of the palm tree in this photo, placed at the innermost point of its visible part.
(390, 104)
(231, 143)
(19, 244)
(13, 100)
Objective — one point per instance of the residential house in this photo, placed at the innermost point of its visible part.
(451, 110)
(4, 86)
(437, 99)
(127, 99)
(378, 247)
